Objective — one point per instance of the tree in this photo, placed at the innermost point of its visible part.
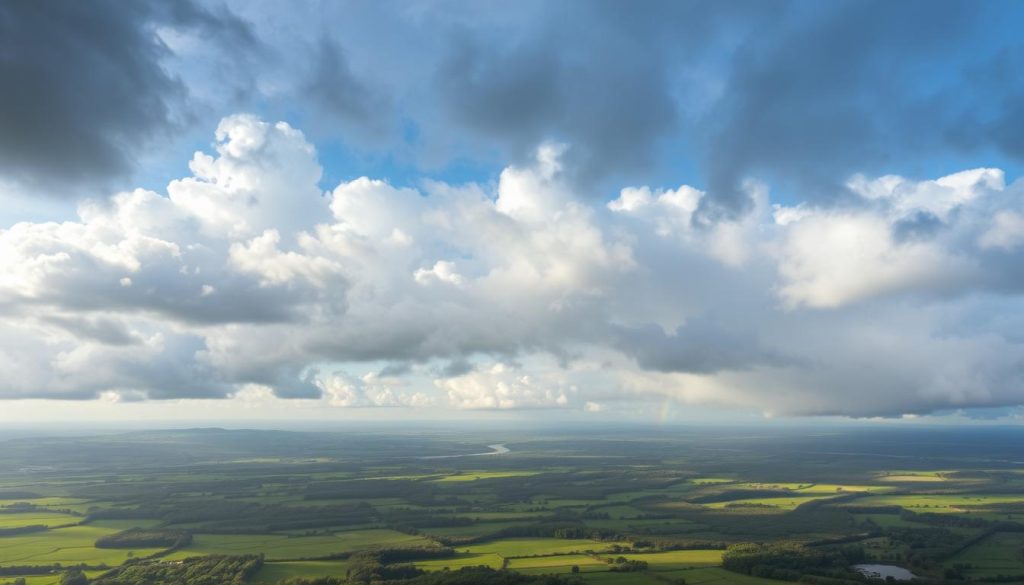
(73, 577)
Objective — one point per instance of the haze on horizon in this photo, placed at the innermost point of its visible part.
(586, 211)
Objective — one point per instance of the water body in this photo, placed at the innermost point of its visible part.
(497, 449)
(884, 571)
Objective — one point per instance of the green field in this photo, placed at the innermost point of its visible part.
(888, 520)
(491, 560)
(679, 559)
(53, 502)
(812, 488)
(472, 530)
(905, 476)
(124, 524)
(720, 577)
(280, 546)
(999, 554)
(709, 576)
(607, 578)
(942, 503)
(53, 579)
(781, 504)
(277, 571)
(478, 475)
(64, 545)
(15, 520)
(557, 564)
(527, 547)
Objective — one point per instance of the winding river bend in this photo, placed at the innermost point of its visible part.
(496, 449)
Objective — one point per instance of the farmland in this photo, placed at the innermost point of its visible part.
(632, 507)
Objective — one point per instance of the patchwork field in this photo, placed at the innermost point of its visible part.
(609, 511)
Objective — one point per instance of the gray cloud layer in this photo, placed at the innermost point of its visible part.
(84, 87)
(790, 92)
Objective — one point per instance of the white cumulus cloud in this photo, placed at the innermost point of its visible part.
(247, 278)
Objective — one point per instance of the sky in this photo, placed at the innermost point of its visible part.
(577, 210)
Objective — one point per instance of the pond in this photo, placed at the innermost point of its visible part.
(884, 571)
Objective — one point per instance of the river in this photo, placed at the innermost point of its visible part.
(496, 449)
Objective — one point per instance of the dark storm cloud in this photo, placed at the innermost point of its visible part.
(843, 90)
(212, 20)
(84, 88)
(292, 383)
(339, 95)
(457, 367)
(610, 79)
(798, 94)
(395, 370)
(699, 347)
(596, 76)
